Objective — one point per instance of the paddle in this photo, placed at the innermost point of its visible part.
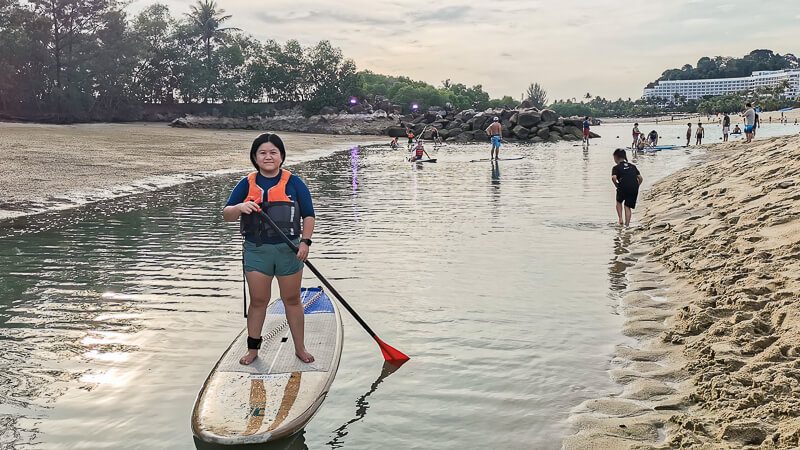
(389, 353)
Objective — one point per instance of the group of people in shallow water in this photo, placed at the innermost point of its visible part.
(285, 198)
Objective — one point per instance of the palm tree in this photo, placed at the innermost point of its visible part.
(206, 19)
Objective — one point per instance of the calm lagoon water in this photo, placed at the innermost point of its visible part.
(497, 279)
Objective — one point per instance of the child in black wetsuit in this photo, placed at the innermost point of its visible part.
(627, 179)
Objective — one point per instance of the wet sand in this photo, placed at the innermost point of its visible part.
(47, 165)
(712, 307)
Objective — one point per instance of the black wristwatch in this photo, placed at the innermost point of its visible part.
(306, 241)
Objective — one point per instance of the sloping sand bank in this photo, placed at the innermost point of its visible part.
(46, 167)
(713, 303)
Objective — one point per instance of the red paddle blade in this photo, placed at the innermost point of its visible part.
(390, 353)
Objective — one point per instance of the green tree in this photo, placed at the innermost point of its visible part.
(536, 95)
(205, 19)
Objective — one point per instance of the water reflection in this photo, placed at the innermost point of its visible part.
(474, 283)
(619, 263)
(362, 405)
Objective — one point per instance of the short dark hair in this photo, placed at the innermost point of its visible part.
(586, 118)
(748, 105)
(621, 154)
(274, 139)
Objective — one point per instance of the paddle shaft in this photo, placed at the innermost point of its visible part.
(327, 284)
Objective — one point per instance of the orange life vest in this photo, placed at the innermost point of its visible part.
(278, 206)
(420, 150)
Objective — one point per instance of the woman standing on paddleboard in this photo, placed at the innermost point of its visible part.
(286, 199)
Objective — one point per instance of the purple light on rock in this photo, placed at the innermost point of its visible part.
(353, 101)
(415, 106)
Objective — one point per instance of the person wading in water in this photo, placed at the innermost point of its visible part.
(286, 199)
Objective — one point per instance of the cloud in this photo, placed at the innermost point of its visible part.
(611, 48)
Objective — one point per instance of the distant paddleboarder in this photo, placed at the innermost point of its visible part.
(495, 132)
(626, 178)
(586, 131)
(419, 150)
(435, 136)
(286, 199)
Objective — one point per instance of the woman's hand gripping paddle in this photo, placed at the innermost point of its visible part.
(390, 354)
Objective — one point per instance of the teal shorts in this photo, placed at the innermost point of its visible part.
(271, 259)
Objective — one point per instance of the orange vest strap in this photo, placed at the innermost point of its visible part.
(276, 193)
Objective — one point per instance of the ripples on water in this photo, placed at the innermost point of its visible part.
(495, 278)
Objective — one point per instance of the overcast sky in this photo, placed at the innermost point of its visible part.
(611, 48)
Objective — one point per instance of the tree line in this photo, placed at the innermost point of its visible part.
(86, 60)
(729, 67)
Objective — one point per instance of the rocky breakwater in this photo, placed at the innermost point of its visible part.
(375, 122)
(519, 125)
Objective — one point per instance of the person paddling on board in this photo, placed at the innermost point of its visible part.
(586, 131)
(286, 199)
(410, 135)
(394, 144)
(626, 179)
(495, 132)
(435, 136)
(419, 150)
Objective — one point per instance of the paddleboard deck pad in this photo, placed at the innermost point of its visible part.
(276, 395)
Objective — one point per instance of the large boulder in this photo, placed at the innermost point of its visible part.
(543, 133)
(454, 124)
(557, 129)
(536, 140)
(547, 124)
(528, 119)
(431, 116)
(514, 119)
(549, 115)
(526, 104)
(481, 121)
(521, 132)
(572, 130)
(466, 136)
(328, 110)
(480, 135)
(444, 134)
(357, 109)
(507, 131)
(180, 122)
(507, 113)
(466, 126)
(397, 132)
(467, 114)
(453, 132)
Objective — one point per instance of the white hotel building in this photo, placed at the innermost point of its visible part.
(694, 89)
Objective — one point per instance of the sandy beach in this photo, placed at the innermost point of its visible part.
(766, 117)
(51, 163)
(711, 303)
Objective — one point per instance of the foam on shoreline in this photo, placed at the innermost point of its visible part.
(712, 301)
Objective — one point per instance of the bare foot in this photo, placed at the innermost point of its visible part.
(304, 356)
(621, 222)
(249, 357)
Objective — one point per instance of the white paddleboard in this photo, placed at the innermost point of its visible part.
(276, 395)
